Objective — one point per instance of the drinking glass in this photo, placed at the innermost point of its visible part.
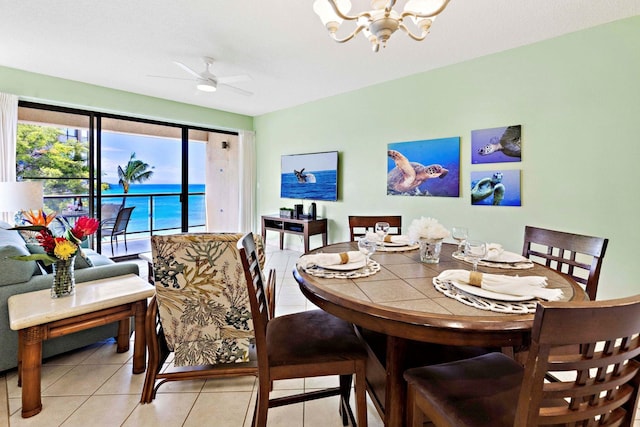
(381, 229)
(476, 250)
(367, 247)
(460, 235)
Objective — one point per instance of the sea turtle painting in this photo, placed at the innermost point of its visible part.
(486, 187)
(509, 143)
(406, 176)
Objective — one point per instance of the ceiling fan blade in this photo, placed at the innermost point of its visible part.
(236, 89)
(169, 77)
(234, 79)
(188, 70)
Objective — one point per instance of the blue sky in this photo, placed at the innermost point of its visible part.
(161, 153)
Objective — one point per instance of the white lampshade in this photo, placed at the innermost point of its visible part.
(326, 13)
(22, 195)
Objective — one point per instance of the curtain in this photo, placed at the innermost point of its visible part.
(247, 177)
(8, 133)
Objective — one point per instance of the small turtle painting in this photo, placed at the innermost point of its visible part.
(487, 187)
(508, 143)
(407, 176)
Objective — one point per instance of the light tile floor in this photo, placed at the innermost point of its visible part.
(94, 386)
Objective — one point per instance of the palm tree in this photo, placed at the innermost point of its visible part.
(135, 171)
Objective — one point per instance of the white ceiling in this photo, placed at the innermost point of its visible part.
(281, 44)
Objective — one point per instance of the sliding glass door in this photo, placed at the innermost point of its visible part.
(97, 163)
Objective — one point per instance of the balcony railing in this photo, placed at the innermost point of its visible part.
(154, 213)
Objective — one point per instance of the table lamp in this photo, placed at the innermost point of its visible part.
(19, 196)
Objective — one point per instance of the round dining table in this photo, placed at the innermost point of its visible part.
(398, 308)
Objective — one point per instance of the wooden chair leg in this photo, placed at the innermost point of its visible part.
(415, 418)
(361, 394)
(345, 393)
(262, 406)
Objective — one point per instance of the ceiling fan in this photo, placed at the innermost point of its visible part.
(208, 82)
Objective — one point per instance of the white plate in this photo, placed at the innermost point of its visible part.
(345, 267)
(394, 244)
(507, 257)
(479, 292)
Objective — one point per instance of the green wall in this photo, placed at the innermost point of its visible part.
(55, 91)
(577, 98)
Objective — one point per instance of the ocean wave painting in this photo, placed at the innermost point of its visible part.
(311, 176)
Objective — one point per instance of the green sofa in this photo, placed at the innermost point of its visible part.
(25, 276)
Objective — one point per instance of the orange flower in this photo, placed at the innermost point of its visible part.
(38, 217)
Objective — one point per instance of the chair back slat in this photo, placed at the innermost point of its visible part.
(576, 255)
(360, 225)
(599, 379)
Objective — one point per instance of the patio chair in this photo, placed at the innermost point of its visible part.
(201, 312)
(117, 227)
(576, 255)
(359, 225)
(600, 385)
(301, 345)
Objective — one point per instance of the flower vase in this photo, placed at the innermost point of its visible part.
(430, 250)
(64, 281)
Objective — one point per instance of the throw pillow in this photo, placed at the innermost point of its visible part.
(13, 270)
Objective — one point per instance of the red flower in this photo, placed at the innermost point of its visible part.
(47, 241)
(84, 226)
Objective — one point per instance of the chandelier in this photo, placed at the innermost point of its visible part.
(378, 24)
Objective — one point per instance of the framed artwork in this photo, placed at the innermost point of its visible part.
(496, 145)
(424, 168)
(496, 188)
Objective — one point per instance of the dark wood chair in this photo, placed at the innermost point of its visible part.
(302, 345)
(576, 255)
(117, 226)
(359, 225)
(201, 311)
(599, 388)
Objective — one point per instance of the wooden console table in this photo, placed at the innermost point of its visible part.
(302, 227)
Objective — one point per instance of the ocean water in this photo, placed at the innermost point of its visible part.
(325, 186)
(166, 209)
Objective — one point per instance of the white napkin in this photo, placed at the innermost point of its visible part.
(497, 254)
(510, 285)
(328, 259)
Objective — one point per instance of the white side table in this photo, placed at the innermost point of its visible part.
(38, 317)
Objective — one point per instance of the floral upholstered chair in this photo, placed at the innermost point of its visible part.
(201, 311)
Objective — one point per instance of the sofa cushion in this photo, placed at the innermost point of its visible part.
(10, 237)
(15, 271)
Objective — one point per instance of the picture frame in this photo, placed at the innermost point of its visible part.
(496, 188)
(497, 145)
(427, 168)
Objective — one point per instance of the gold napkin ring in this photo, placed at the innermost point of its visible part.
(387, 239)
(344, 258)
(475, 278)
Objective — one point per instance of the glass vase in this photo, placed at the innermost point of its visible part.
(64, 281)
(430, 250)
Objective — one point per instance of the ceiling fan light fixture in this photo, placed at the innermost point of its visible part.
(206, 86)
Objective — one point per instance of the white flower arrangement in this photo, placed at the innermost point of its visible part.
(427, 228)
